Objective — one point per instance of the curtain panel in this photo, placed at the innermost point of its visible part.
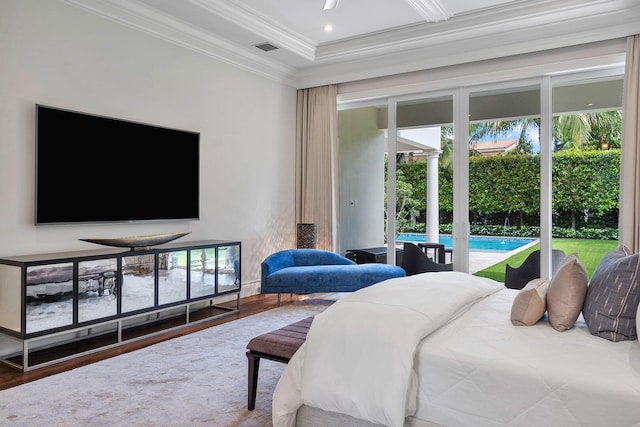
(317, 162)
(629, 219)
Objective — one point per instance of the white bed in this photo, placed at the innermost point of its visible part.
(471, 367)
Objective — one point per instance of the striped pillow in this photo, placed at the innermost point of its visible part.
(613, 296)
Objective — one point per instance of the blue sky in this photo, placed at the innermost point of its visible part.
(515, 134)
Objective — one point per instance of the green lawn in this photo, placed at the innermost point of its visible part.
(589, 251)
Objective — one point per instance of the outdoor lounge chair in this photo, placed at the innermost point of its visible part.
(415, 261)
(518, 277)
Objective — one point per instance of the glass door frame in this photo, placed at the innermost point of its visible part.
(392, 141)
(461, 94)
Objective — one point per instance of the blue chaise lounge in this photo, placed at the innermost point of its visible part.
(306, 271)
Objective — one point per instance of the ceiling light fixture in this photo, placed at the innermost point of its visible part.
(328, 28)
(330, 4)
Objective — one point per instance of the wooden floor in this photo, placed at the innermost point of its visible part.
(11, 377)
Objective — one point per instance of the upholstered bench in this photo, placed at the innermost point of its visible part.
(278, 345)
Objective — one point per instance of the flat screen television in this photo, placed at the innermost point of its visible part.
(94, 169)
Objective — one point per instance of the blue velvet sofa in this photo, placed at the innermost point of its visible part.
(306, 271)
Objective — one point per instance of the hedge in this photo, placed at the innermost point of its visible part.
(585, 190)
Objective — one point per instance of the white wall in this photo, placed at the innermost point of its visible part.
(361, 179)
(58, 55)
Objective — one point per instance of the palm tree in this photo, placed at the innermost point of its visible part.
(581, 131)
(446, 145)
(477, 131)
(606, 128)
(571, 132)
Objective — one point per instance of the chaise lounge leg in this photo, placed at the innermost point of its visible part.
(254, 366)
(278, 303)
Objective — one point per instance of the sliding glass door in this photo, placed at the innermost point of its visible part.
(504, 172)
(587, 126)
(423, 174)
(480, 167)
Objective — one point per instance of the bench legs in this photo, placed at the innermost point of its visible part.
(278, 346)
(254, 366)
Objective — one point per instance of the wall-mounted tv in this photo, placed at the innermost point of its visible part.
(94, 169)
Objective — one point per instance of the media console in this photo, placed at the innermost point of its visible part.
(50, 300)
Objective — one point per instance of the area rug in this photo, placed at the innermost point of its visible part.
(196, 379)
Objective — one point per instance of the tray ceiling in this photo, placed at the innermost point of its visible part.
(370, 38)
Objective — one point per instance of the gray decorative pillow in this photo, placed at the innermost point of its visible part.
(613, 295)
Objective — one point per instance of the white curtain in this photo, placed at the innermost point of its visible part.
(317, 162)
(629, 222)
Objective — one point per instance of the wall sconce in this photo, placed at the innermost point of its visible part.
(306, 236)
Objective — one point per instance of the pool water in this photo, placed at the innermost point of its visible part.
(477, 243)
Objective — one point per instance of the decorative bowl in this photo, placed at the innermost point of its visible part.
(137, 242)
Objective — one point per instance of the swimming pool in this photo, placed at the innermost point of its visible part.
(476, 243)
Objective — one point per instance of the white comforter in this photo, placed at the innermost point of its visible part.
(359, 355)
(482, 371)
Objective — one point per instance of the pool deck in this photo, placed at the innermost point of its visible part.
(480, 260)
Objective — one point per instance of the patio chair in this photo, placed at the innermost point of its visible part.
(415, 261)
(518, 277)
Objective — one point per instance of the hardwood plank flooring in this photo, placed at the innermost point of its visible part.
(11, 377)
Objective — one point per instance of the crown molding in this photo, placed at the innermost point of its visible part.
(149, 21)
(458, 52)
(276, 34)
(566, 17)
(517, 28)
(430, 10)
(593, 60)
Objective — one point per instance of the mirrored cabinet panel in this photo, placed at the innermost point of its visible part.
(172, 277)
(202, 272)
(97, 289)
(228, 268)
(49, 296)
(138, 282)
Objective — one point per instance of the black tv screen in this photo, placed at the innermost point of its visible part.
(91, 168)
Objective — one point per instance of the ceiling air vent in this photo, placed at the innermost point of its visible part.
(266, 46)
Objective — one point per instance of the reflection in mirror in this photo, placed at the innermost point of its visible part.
(202, 272)
(97, 289)
(172, 277)
(138, 282)
(228, 268)
(49, 294)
